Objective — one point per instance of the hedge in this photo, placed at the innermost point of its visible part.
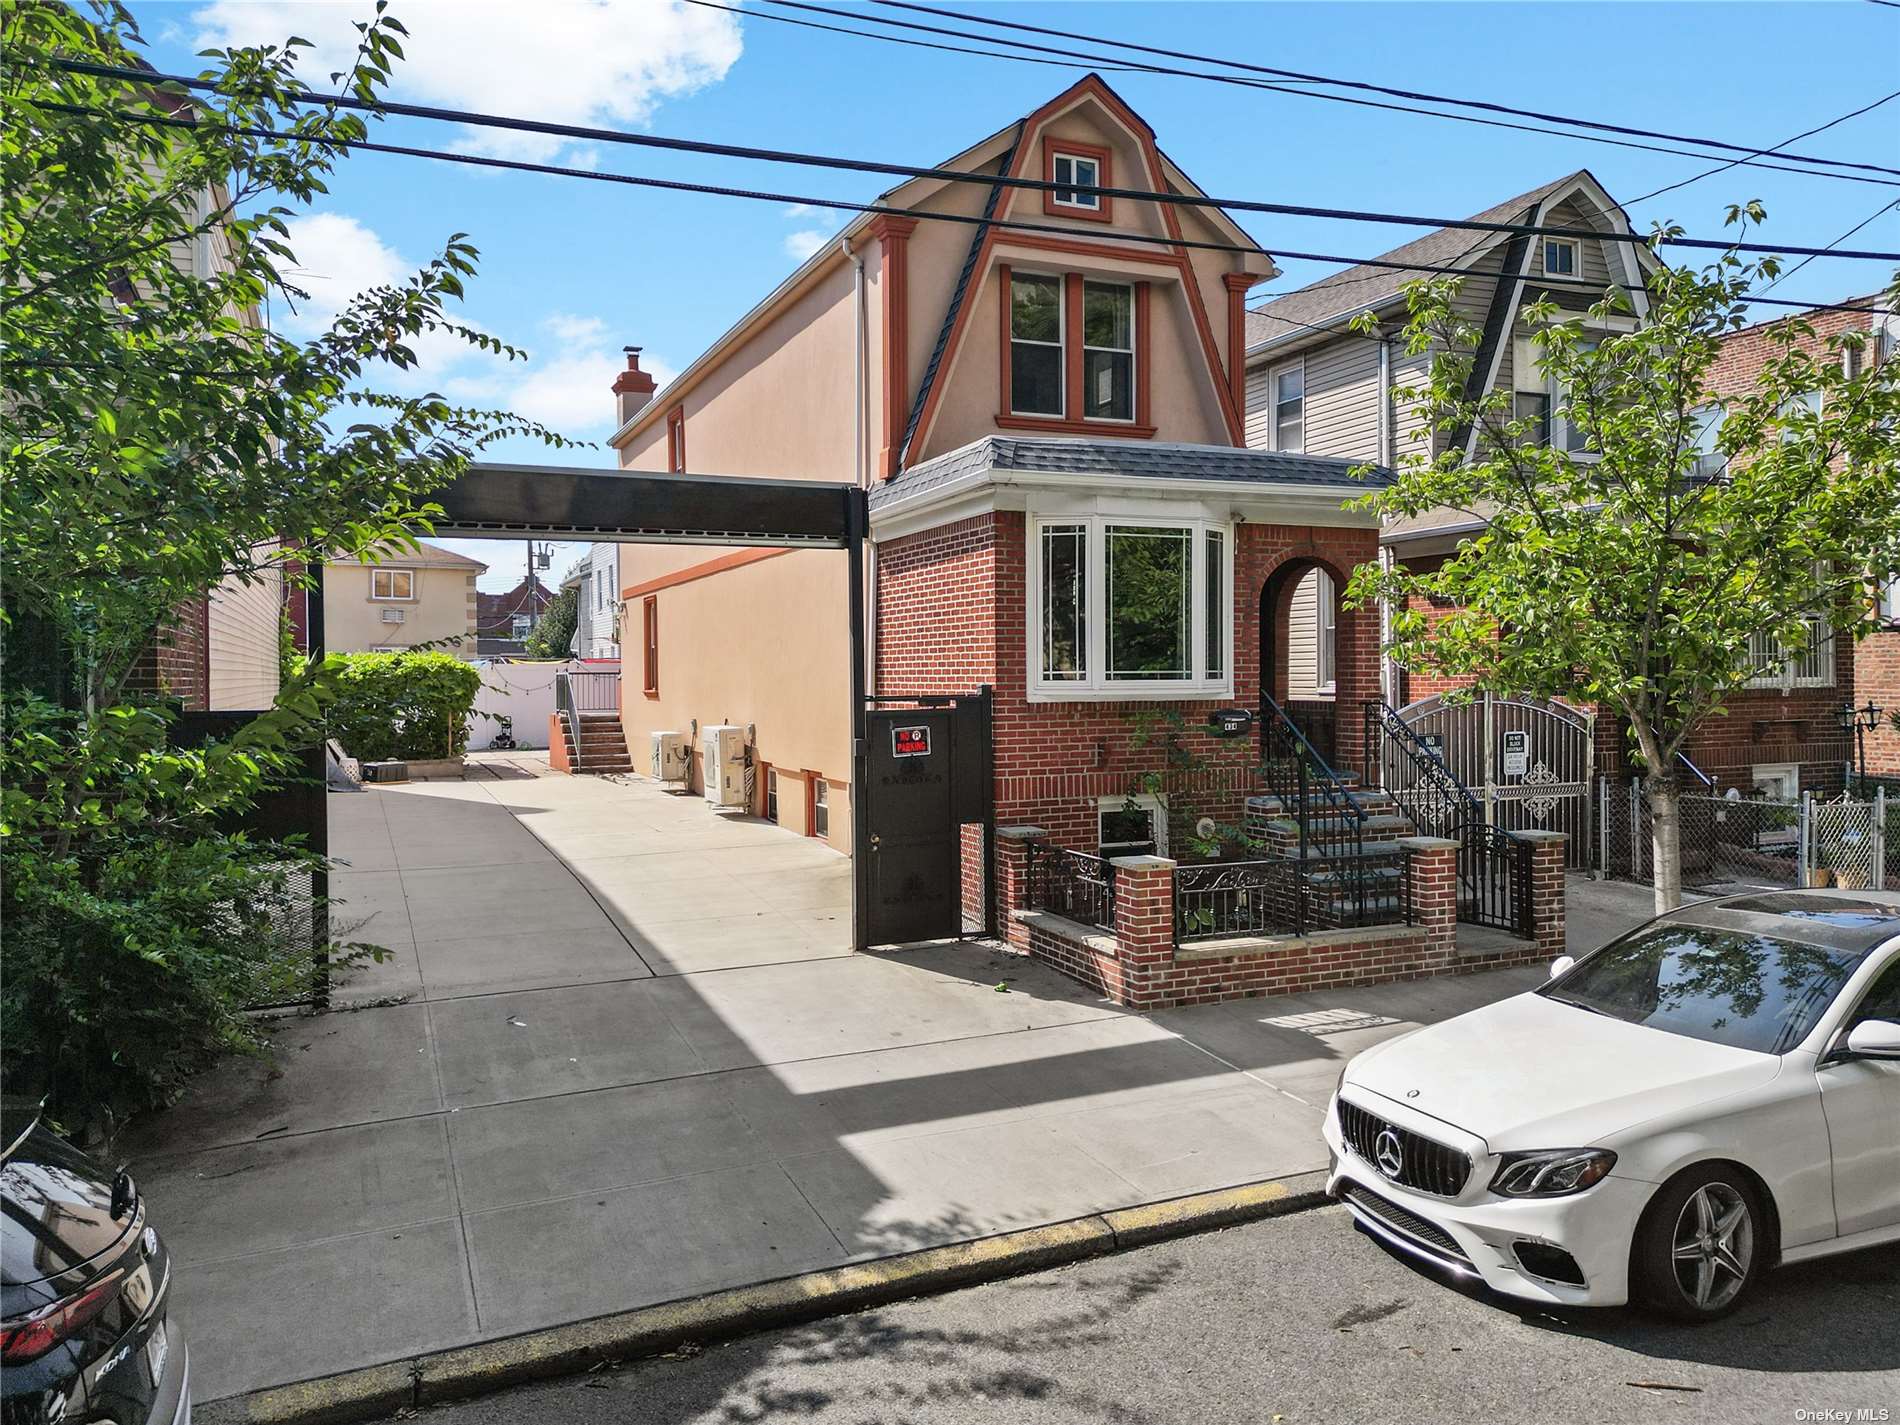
(403, 705)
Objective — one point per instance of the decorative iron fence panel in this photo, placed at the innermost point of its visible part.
(1072, 884)
(1291, 895)
(1494, 879)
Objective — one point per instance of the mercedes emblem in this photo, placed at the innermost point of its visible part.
(1388, 1153)
(1411, 1093)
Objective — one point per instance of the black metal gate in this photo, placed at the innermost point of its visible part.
(929, 778)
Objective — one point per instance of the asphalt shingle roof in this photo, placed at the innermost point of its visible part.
(1150, 459)
(1357, 288)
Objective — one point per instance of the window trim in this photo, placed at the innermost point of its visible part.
(1785, 675)
(676, 441)
(1575, 247)
(650, 645)
(1069, 423)
(1156, 808)
(1273, 404)
(1325, 633)
(408, 598)
(1095, 685)
(1131, 351)
(1061, 345)
(817, 799)
(1887, 601)
(1104, 160)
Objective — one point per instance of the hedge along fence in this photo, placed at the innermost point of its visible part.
(408, 706)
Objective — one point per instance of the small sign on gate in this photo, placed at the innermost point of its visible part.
(911, 741)
(1517, 753)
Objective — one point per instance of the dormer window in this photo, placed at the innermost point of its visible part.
(1087, 172)
(1560, 257)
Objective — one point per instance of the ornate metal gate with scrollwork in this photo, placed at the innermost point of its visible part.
(1529, 763)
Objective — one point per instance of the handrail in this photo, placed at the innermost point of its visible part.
(1311, 773)
(564, 702)
(1700, 775)
(1380, 717)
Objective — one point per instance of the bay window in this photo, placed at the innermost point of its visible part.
(1130, 607)
(1035, 345)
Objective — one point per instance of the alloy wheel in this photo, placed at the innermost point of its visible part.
(1713, 1246)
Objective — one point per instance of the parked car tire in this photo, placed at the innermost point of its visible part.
(1702, 1244)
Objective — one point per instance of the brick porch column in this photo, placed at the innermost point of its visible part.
(1144, 925)
(1547, 889)
(1012, 880)
(1431, 888)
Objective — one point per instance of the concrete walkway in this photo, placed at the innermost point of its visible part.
(622, 1055)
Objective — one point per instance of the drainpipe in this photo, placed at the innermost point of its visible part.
(859, 475)
(1388, 457)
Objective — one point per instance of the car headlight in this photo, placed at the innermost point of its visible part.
(1556, 1172)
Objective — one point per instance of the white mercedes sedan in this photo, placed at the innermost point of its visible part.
(1711, 1095)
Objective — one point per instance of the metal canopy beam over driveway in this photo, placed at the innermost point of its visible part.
(496, 500)
(502, 501)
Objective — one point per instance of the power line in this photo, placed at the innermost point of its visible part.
(1082, 60)
(761, 195)
(1878, 212)
(705, 147)
(1485, 105)
(1725, 167)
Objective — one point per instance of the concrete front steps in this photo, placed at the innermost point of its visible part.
(1360, 873)
(601, 746)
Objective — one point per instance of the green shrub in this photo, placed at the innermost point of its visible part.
(409, 706)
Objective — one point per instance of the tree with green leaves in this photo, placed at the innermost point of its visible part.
(554, 631)
(160, 439)
(1638, 574)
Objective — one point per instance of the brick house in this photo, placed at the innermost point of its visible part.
(503, 621)
(1314, 386)
(1063, 503)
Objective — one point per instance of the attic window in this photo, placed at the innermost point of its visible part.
(1074, 168)
(1560, 257)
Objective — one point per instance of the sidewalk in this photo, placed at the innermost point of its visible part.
(633, 1060)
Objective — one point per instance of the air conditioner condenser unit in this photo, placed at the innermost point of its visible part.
(722, 763)
(672, 760)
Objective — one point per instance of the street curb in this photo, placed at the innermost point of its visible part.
(376, 1392)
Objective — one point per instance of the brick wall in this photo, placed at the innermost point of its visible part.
(951, 611)
(1877, 677)
(177, 663)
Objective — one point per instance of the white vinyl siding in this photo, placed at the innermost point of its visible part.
(1309, 665)
(244, 620)
(1342, 399)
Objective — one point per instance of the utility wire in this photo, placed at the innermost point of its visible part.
(1362, 85)
(760, 195)
(1725, 167)
(1082, 60)
(990, 180)
(1878, 212)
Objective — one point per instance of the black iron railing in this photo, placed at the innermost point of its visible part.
(1415, 776)
(1071, 884)
(1494, 879)
(1310, 791)
(1286, 895)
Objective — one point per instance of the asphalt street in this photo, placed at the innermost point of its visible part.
(1296, 1319)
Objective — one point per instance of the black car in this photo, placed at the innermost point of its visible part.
(84, 1286)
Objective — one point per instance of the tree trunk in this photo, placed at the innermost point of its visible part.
(1665, 832)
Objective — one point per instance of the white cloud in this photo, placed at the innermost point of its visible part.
(588, 62)
(803, 243)
(568, 380)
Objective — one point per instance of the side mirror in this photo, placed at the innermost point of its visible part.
(1875, 1039)
(1562, 965)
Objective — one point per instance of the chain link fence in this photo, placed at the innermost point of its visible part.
(1733, 843)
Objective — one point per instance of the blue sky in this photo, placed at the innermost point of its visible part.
(573, 270)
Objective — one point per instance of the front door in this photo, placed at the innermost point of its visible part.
(1861, 1098)
(913, 857)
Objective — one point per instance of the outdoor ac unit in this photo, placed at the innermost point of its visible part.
(394, 615)
(672, 758)
(722, 758)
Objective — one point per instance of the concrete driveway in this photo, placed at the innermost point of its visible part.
(621, 1055)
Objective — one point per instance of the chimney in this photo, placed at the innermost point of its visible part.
(633, 388)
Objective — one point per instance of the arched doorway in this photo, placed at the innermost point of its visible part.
(1300, 646)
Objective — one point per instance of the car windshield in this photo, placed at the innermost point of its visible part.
(1746, 991)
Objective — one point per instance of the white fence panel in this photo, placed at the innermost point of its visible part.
(522, 692)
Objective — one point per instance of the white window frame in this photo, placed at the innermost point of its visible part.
(1095, 685)
(1061, 345)
(1298, 363)
(408, 598)
(1084, 202)
(1326, 633)
(1574, 247)
(1786, 773)
(1781, 668)
(1887, 600)
(521, 624)
(1156, 808)
(1557, 424)
(1134, 365)
(1709, 461)
(821, 808)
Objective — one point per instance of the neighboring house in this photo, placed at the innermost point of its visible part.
(409, 598)
(504, 621)
(1314, 385)
(596, 584)
(1063, 505)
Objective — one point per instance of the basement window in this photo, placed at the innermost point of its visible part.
(820, 808)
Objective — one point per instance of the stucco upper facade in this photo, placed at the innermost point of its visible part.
(409, 598)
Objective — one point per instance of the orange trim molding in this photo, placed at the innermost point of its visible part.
(734, 560)
(1237, 284)
(893, 236)
(676, 440)
(1141, 428)
(1105, 178)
